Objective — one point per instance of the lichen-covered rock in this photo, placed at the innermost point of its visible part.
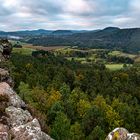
(29, 131)
(3, 73)
(122, 134)
(14, 99)
(4, 135)
(18, 116)
(5, 77)
(1, 56)
(133, 136)
(15, 122)
(5, 48)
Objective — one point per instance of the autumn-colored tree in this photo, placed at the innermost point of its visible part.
(112, 117)
(82, 107)
(76, 132)
(53, 97)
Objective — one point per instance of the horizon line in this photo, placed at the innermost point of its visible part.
(69, 29)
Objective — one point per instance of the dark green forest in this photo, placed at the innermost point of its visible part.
(77, 101)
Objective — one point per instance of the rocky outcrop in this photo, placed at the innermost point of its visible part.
(122, 134)
(4, 132)
(16, 123)
(5, 49)
(17, 116)
(5, 77)
(30, 131)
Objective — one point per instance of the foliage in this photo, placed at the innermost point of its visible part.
(77, 101)
(61, 127)
(76, 132)
(97, 134)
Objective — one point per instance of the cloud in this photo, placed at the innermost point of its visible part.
(68, 14)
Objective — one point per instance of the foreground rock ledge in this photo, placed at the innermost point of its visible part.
(15, 122)
(122, 134)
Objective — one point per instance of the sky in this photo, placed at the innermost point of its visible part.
(68, 14)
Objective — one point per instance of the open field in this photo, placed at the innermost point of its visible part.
(68, 49)
(23, 51)
(119, 53)
(51, 48)
(137, 59)
(43, 48)
(114, 66)
(15, 42)
(30, 46)
(89, 55)
(79, 59)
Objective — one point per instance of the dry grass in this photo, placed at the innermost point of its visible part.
(51, 48)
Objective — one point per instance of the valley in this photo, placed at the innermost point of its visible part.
(112, 59)
(71, 86)
(70, 70)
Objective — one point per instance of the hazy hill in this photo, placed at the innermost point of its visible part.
(30, 32)
(40, 32)
(62, 32)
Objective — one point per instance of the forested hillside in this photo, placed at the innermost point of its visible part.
(127, 40)
(77, 101)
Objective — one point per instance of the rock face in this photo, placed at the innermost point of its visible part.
(18, 116)
(5, 77)
(122, 134)
(5, 48)
(30, 131)
(3, 132)
(16, 123)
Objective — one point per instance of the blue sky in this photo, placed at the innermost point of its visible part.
(68, 14)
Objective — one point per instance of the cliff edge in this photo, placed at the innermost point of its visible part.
(16, 123)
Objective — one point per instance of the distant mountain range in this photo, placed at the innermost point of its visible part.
(108, 38)
(40, 32)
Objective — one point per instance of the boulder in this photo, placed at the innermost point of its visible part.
(29, 131)
(122, 134)
(4, 135)
(5, 77)
(5, 48)
(133, 136)
(15, 122)
(3, 73)
(14, 99)
(18, 116)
